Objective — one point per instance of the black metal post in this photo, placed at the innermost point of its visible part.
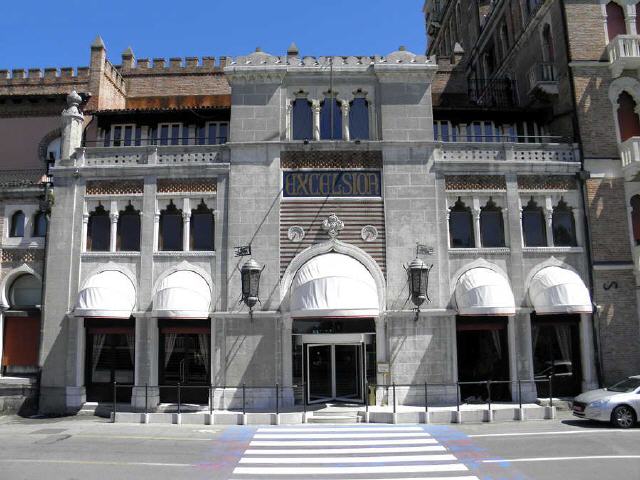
(489, 394)
(304, 398)
(550, 391)
(394, 397)
(146, 398)
(426, 399)
(244, 394)
(366, 396)
(115, 388)
(457, 396)
(277, 399)
(520, 393)
(179, 405)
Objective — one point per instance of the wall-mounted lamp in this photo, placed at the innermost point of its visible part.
(418, 273)
(250, 276)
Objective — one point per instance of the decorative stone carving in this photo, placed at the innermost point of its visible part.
(333, 225)
(369, 233)
(296, 233)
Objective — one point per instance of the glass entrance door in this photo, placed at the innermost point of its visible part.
(334, 372)
(185, 360)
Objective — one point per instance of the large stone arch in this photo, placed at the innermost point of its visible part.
(8, 280)
(332, 246)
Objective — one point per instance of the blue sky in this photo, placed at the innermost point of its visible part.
(41, 33)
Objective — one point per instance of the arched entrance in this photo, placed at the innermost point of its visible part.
(334, 302)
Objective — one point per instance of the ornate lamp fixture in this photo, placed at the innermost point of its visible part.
(418, 273)
(250, 276)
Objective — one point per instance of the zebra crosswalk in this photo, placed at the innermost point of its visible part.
(363, 452)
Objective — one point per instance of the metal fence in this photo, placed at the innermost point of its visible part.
(277, 388)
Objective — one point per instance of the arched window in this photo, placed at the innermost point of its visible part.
(548, 53)
(99, 230)
(17, 224)
(491, 225)
(25, 291)
(461, 226)
(128, 230)
(171, 229)
(359, 119)
(202, 228)
(330, 119)
(635, 218)
(40, 224)
(615, 20)
(534, 229)
(564, 225)
(628, 120)
(302, 119)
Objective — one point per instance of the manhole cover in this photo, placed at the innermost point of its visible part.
(49, 431)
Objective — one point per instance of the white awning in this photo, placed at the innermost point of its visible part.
(107, 294)
(182, 294)
(559, 290)
(334, 285)
(482, 291)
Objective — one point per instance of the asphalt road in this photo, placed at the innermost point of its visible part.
(91, 448)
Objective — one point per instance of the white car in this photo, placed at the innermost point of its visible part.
(618, 404)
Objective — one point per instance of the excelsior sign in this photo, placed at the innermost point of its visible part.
(332, 183)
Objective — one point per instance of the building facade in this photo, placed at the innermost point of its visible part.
(336, 173)
(568, 68)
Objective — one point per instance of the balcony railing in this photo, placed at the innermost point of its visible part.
(543, 76)
(454, 153)
(150, 155)
(492, 92)
(624, 53)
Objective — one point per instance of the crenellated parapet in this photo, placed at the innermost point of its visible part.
(177, 65)
(47, 81)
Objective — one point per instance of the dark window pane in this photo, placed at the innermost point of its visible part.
(107, 137)
(202, 231)
(461, 226)
(17, 224)
(40, 224)
(564, 234)
(164, 135)
(302, 120)
(98, 231)
(201, 133)
(223, 133)
(635, 218)
(533, 228)
(359, 119)
(117, 136)
(491, 228)
(138, 136)
(330, 120)
(128, 135)
(171, 229)
(175, 134)
(129, 230)
(212, 133)
(444, 128)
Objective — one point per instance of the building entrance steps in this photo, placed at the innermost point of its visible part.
(467, 413)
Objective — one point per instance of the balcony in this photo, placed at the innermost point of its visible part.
(543, 78)
(152, 156)
(492, 92)
(630, 156)
(535, 157)
(624, 54)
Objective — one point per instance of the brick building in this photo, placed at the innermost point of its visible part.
(571, 66)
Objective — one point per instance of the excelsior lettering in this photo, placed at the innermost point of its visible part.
(332, 183)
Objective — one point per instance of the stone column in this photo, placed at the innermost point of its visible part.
(146, 368)
(186, 230)
(548, 215)
(587, 359)
(85, 226)
(315, 107)
(476, 227)
(113, 238)
(344, 107)
(288, 135)
(76, 394)
(72, 125)
(156, 231)
(373, 124)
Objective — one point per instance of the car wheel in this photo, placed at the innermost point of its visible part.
(623, 416)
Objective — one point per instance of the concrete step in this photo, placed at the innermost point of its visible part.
(332, 412)
(333, 419)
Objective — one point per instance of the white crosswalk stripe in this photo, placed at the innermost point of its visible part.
(350, 452)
